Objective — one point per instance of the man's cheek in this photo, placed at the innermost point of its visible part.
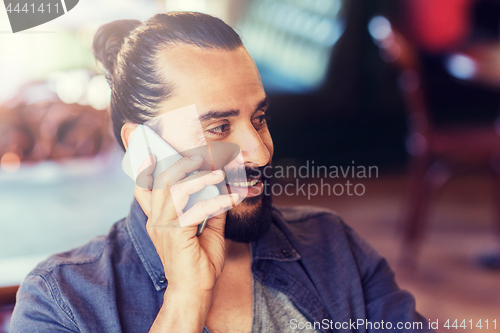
(268, 142)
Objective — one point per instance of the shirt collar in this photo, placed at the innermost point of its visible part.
(272, 246)
(136, 226)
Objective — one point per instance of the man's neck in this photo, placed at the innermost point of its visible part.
(236, 251)
(231, 305)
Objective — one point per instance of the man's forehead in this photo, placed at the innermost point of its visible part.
(211, 79)
(183, 117)
(190, 66)
(188, 56)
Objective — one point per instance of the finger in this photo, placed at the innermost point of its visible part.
(143, 197)
(178, 171)
(218, 221)
(145, 178)
(213, 234)
(200, 210)
(161, 199)
(181, 191)
(145, 172)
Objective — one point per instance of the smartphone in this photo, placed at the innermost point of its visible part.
(145, 141)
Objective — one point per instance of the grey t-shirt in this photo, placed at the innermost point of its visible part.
(274, 312)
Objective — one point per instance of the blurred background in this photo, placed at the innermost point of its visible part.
(409, 86)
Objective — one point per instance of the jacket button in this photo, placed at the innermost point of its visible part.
(287, 253)
(162, 279)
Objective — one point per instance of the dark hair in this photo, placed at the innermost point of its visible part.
(128, 50)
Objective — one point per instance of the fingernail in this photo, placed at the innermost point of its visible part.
(195, 157)
(217, 172)
(234, 195)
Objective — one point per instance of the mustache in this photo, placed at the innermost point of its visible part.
(242, 174)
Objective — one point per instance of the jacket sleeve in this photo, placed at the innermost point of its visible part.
(39, 308)
(384, 300)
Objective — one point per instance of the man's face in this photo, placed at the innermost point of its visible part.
(227, 90)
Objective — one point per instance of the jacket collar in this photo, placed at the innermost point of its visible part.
(272, 246)
(136, 226)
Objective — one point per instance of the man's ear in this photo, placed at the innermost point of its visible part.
(126, 132)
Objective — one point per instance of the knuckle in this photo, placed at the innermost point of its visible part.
(175, 189)
(179, 163)
(201, 206)
(221, 201)
(162, 177)
(160, 182)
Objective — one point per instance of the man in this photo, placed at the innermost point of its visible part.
(255, 268)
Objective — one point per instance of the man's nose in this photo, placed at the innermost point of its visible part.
(252, 147)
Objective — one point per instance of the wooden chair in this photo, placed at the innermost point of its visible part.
(437, 152)
(7, 301)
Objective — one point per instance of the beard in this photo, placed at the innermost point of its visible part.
(255, 217)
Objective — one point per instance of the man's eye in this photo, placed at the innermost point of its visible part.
(219, 130)
(260, 120)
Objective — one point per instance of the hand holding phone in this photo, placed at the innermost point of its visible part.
(144, 142)
(192, 264)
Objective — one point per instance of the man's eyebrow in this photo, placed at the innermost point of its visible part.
(231, 113)
(262, 104)
(219, 114)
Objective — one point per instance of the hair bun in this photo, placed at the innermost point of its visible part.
(109, 39)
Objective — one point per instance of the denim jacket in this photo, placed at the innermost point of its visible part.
(115, 283)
